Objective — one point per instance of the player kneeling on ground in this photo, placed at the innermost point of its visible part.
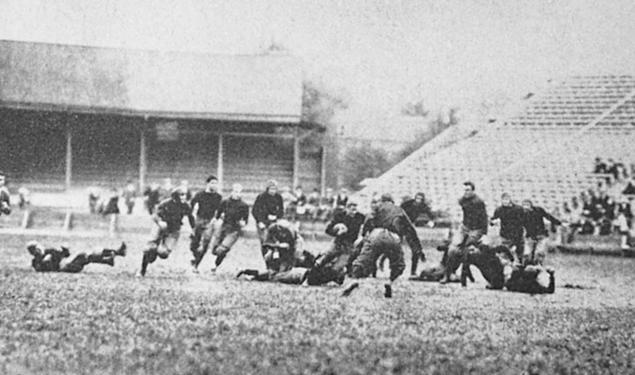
(165, 234)
(283, 255)
(52, 259)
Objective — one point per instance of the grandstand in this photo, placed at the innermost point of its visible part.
(545, 152)
(73, 116)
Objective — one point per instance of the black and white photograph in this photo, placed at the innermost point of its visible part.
(317, 187)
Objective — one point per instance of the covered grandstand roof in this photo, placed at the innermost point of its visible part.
(264, 88)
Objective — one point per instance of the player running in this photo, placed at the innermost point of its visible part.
(232, 217)
(205, 206)
(165, 233)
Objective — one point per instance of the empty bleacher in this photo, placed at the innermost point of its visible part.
(545, 152)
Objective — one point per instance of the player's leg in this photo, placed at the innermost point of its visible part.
(295, 275)
(394, 252)
(365, 263)
(262, 236)
(455, 253)
(227, 242)
(195, 240)
(257, 275)
(150, 252)
(541, 250)
(324, 275)
(168, 245)
(529, 249)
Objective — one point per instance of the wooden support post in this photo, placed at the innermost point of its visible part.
(143, 162)
(219, 165)
(323, 171)
(296, 157)
(69, 157)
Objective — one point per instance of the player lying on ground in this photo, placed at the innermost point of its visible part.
(58, 259)
(496, 265)
(288, 263)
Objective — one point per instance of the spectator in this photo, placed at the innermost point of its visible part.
(152, 196)
(129, 196)
(288, 201)
(600, 166)
(93, 199)
(342, 198)
(610, 167)
(313, 204)
(24, 196)
(111, 209)
(300, 203)
(5, 197)
(624, 221)
(327, 202)
(630, 187)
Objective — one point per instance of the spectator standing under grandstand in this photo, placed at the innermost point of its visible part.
(24, 196)
(342, 198)
(205, 206)
(474, 227)
(166, 188)
(510, 216)
(5, 197)
(624, 221)
(233, 214)
(417, 206)
(288, 201)
(129, 196)
(313, 204)
(629, 189)
(535, 232)
(327, 203)
(267, 209)
(600, 166)
(111, 210)
(152, 196)
(300, 204)
(94, 196)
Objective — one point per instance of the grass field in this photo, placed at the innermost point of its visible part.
(107, 321)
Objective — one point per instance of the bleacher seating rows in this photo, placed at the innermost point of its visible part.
(545, 153)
